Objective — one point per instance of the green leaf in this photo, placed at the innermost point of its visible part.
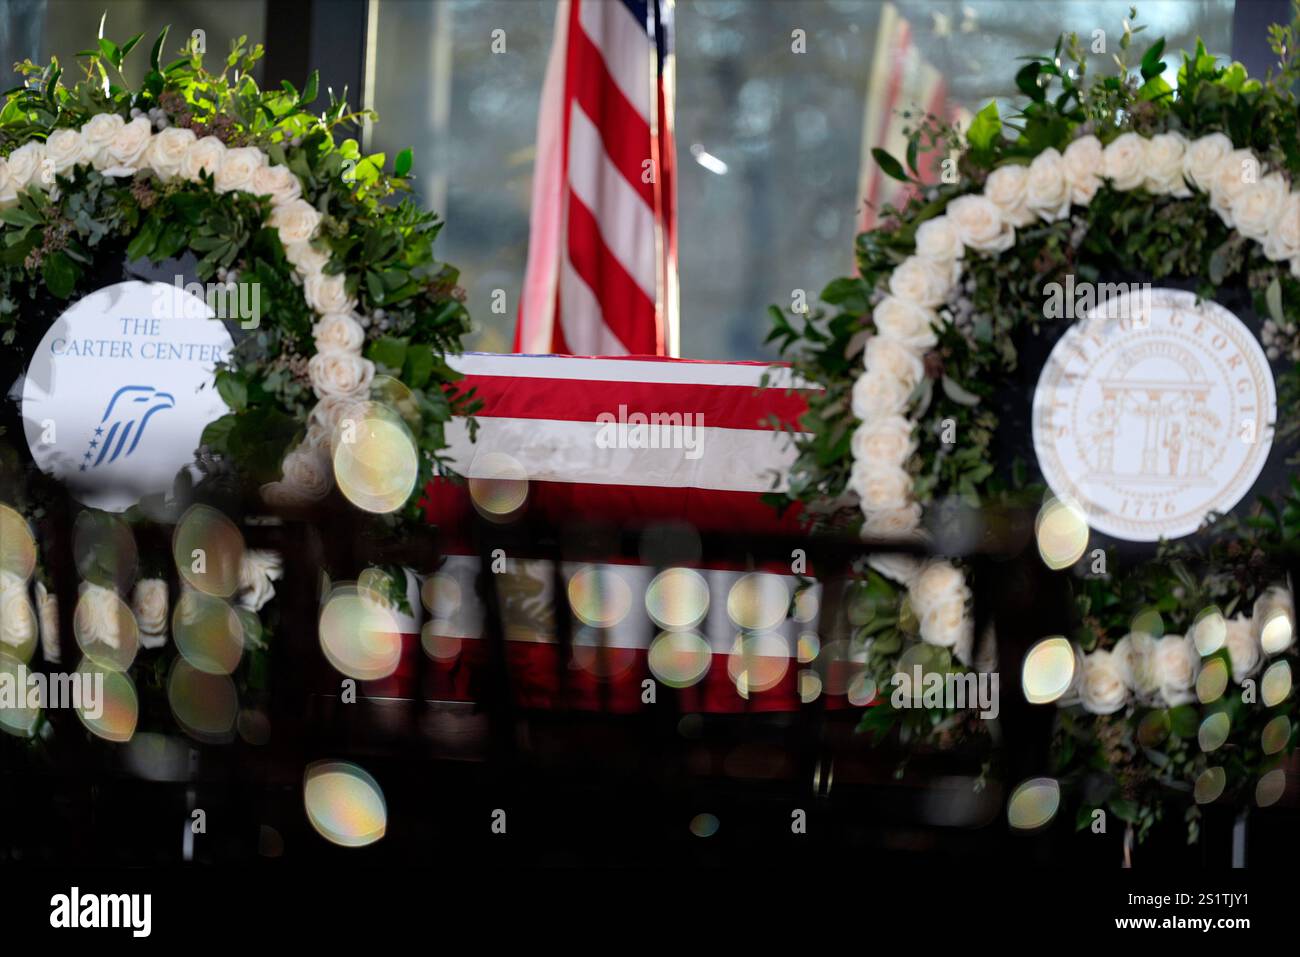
(1184, 721)
(309, 91)
(985, 127)
(61, 275)
(217, 432)
(402, 165)
(1125, 809)
(388, 351)
(110, 51)
(1151, 64)
(1027, 82)
(1154, 89)
(1274, 299)
(955, 391)
(232, 390)
(418, 367)
(888, 165)
(847, 292)
(155, 55)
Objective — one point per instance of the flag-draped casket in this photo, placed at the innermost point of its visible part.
(638, 443)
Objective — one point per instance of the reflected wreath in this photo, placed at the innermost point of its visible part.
(1165, 687)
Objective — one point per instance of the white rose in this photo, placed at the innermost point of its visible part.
(1243, 648)
(890, 357)
(98, 615)
(938, 583)
(980, 224)
(26, 164)
(149, 602)
(1047, 190)
(880, 487)
(876, 395)
(1164, 174)
(202, 156)
(65, 149)
(1134, 656)
(167, 151)
(307, 472)
(1202, 159)
(257, 571)
(1283, 240)
(338, 331)
(1124, 161)
(332, 409)
(278, 182)
(925, 282)
(327, 294)
(1006, 188)
(98, 135)
(47, 611)
(1256, 208)
(947, 625)
(295, 221)
(125, 154)
(18, 624)
(905, 322)
(238, 167)
(897, 568)
(893, 524)
(340, 373)
(888, 440)
(1084, 161)
(1273, 620)
(1101, 688)
(1229, 180)
(306, 258)
(1177, 664)
(938, 238)
(8, 185)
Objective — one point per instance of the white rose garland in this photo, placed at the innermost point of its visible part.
(1257, 205)
(117, 147)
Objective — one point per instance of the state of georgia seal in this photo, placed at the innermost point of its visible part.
(1152, 412)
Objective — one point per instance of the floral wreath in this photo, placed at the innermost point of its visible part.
(357, 315)
(1200, 182)
(260, 190)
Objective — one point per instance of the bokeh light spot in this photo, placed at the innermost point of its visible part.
(208, 550)
(1062, 532)
(1048, 671)
(344, 804)
(758, 601)
(599, 596)
(679, 658)
(1209, 785)
(1033, 804)
(677, 598)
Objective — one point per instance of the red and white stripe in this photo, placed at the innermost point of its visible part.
(544, 412)
(601, 276)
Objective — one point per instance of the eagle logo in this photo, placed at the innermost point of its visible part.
(122, 425)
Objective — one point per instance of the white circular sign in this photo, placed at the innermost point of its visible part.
(1152, 412)
(120, 390)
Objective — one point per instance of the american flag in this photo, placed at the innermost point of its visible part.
(539, 454)
(602, 254)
